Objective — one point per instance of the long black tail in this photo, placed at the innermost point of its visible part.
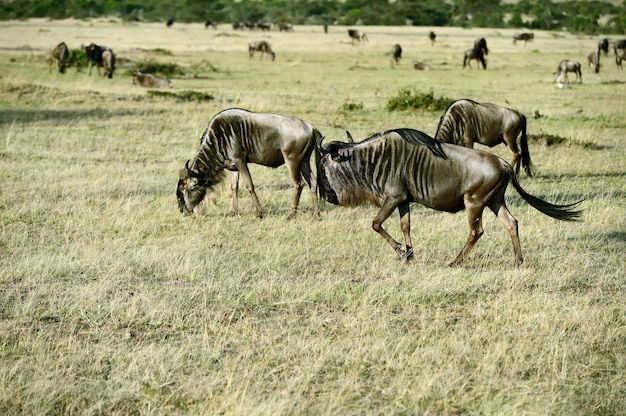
(559, 212)
(526, 162)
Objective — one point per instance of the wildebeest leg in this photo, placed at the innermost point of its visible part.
(405, 225)
(234, 186)
(511, 143)
(474, 219)
(242, 167)
(510, 223)
(311, 180)
(385, 211)
(296, 180)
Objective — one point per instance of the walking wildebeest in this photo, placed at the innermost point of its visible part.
(482, 45)
(100, 56)
(593, 58)
(404, 165)
(526, 36)
(236, 137)
(285, 27)
(357, 35)
(474, 53)
(150, 81)
(566, 66)
(59, 53)
(603, 46)
(211, 23)
(396, 54)
(262, 47)
(466, 122)
(432, 37)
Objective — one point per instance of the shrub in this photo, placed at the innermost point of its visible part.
(411, 99)
(159, 69)
(348, 106)
(77, 58)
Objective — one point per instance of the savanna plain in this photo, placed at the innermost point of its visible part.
(113, 302)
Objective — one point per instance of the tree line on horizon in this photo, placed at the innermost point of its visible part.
(589, 17)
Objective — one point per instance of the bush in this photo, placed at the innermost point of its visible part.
(77, 58)
(159, 69)
(411, 99)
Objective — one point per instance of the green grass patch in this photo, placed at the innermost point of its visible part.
(412, 99)
(186, 95)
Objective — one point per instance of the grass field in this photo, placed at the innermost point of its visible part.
(112, 302)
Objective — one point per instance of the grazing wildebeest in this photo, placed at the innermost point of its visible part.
(396, 53)
(285, 27)
(58, 53)
(422, 66)
(404, 165)
(603, 46)
(211, 23)
(264, 26)
(482, 45)
(526, 36)
(432, 37)
(566, 66)
(236, 137)
(100, 56)
(474, 53)
(150, 81)
(466, 122)
(593, 58)
(169, 22)
(263, 47)
(357, 35)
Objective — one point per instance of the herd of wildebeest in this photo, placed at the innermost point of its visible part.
(390, 169)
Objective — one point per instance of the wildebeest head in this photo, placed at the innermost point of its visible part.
(191, 189)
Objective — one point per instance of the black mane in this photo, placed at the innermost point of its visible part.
(420, 138)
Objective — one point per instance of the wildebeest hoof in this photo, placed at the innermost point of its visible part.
(292, 214)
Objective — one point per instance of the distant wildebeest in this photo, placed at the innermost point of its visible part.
(396, 54)
(603, 46)
(481, 44)
(211, 23)
(236, 137)
(401, 166)
(263, 47)
(58, 53)
(264, 26)
(432, 37)
(474, 53)
(593, 58)
(249, 25)
(526, 36)
(150, 81)
(285, 27)
(466, 122)
(566, 66)
(237, 25)
(357, 35)
(620, 55)
(421, 66)
(100, 56)
(169, 22)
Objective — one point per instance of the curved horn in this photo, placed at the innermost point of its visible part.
(350, 139)
(318, 143)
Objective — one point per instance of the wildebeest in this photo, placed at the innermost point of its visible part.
(404, 165)
(150, 81)
(422, 66)
(466, 122)
(481, 44)
(211, 23)
(526, 36)
(58, 53)
(169, 22)
(396, 53)
(264, 26)
(593, 58)
(100, 56)
(237, 25)
(263, 47)
(285, 27)
(620, 55)
(432, 37)
(603, 46)
(474, 53)
(566, 66)
(357, 35)
(236, 137)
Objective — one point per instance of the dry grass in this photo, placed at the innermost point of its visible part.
(111, 302)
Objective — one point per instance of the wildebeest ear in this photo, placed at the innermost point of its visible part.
(350, 139)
